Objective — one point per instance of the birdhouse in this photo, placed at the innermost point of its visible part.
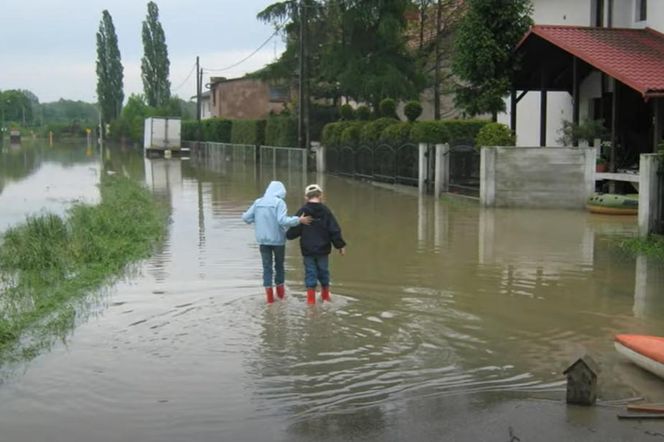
(582, 381)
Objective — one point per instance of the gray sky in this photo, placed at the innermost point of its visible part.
(49, 46)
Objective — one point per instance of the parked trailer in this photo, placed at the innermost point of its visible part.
(162, 135)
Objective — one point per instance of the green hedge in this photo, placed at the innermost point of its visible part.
(495, 134)
(248, 132)
(281, 131)
(189, 130)
(217, 130)
(371, 131)
(397, 133)
(393, 131)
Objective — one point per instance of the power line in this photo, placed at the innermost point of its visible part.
(247, 57)
(186, 79)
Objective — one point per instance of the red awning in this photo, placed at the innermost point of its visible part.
(633, 56)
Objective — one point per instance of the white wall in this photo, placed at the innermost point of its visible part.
(559, 108)
(656, 15)
(562, 12)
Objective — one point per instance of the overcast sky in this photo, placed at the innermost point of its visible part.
(49, 46)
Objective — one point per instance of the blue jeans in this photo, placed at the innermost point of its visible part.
(316, 269)
(267, 253)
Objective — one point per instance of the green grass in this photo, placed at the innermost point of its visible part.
(652, 246)
(48, 263)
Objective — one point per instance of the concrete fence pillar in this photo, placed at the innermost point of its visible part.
(422, 167)
(442, 169)
(488, 176)
(319, 149)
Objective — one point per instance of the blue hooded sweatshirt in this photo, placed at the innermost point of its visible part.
(271, 217)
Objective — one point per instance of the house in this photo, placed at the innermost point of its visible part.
(592, 60)
(247, 98)
(206, 105)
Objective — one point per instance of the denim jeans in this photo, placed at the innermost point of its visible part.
(316, 269)
(267, 254)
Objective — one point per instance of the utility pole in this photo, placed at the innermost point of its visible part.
(302, 132)
(198, 89)
(436, 74)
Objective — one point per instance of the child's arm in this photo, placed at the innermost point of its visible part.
(295, 232)
(290, 221)
(335, 233)
(248, 216)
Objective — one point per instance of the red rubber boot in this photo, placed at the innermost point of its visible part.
(311, 296)
(270, 295)
(281, 291)
(325, 294)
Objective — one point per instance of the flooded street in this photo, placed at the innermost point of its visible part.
(444, 316)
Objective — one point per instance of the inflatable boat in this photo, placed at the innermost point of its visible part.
(613, 204)
(645, 351)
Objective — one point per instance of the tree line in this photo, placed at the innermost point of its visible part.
(369, 50)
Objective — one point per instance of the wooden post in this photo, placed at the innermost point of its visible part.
(575, 94)
(614, 120)
(657, 123)
(543, 106)
(513, 104)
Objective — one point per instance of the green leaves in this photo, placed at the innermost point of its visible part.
(484, 59)
(110, 73)
(154, 64)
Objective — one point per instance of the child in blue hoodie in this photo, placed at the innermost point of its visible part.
(270, 216)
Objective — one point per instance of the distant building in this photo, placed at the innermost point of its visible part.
(247, 98)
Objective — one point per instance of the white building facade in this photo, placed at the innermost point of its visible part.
(634, 14)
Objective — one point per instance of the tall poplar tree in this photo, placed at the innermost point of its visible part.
(155, 64)
(484, 58)
(110, 73)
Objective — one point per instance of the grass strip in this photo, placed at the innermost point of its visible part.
(49, 262)
(652, 246)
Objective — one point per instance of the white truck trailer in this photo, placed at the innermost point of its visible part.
(162, 135)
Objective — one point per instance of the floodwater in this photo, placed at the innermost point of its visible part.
(448, 322)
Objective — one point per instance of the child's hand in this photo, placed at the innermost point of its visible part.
(306, 220)
(342, 251)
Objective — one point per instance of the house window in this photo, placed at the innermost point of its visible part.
(279, 94)
(641, 10)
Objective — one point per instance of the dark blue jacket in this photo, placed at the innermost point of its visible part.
(317, 238)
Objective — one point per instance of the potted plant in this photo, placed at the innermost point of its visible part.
(601, 165)
(587, 131)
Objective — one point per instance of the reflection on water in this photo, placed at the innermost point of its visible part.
(437, 302)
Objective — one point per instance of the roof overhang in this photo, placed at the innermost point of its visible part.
(634, 57)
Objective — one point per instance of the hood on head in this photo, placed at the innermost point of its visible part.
(275, 189)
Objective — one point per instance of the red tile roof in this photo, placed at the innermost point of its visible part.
(633, 56)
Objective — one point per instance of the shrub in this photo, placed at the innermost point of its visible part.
(397, 133)
(371, 131)
(463, 131)
(190, 130)
(388, 108)
(332, 134)
(216, 130)
(433, 132)
(495, 134)
(347, 112)
(248, 132)
(413, 110)
(363, 113)
(281, 131)
(350, 135)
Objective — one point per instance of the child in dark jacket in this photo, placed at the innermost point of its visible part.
(316, 240)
